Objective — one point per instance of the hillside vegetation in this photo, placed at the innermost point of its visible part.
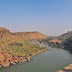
(31, 35)
(68, 44)
(17, 43)
(62, 41)
(62, 37)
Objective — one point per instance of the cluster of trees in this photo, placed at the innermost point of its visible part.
(22, 48)
(44, 41)
(13, 43)
(68, 44)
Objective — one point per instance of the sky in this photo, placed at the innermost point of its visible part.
(50, 17)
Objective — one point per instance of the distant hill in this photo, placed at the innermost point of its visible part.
(31, 35)
(62, 37)
(22, 35)
(5, 34)
(68, 44)
(63, 41)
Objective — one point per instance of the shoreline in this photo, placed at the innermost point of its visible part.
(66, 69)
(8, 60)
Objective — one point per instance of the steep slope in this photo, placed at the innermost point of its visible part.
(15, 44)
(21, 35)
(12, 41)
(59, 41)
(6, 36)
(31, 35)
(68, 44)
(62, 37)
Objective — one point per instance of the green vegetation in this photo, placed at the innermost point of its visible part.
(66, 41)
(17, 43)
(22, 48)
(45, 41)
(65, 36)
(68, 44)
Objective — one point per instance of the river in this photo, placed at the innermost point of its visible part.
(49, 61)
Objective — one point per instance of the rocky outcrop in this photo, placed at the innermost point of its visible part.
(61, 71)
(66, 69)
(7, 59)
(5, 64)
(11, 44)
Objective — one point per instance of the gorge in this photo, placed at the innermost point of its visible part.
(21, 47)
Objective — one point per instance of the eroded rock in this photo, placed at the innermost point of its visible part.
(5, 64)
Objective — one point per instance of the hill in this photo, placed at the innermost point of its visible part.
(21, 35)
(14, 47)
(59, 41)
(62, 37)
(31, 35)
(7, 36)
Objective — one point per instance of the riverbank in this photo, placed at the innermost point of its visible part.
(7, 59)
(66, 69)
(49, 61)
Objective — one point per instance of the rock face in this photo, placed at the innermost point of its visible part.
(7, 59)
(66, 69)
(5, 64)
(61, 71)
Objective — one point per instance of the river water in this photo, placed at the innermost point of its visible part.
(49, 61)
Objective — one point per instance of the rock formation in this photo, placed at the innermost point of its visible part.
(7, 59)
(66, 69)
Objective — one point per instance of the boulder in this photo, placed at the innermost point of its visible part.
(24, 60)
(13, 63)
(0, 65)
(68, 67)
(20, 59)
(61, 71)
(5, 64)
(15, 57)
(7, 57)
(28, 58)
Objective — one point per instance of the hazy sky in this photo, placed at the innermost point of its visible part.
(50, 17)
